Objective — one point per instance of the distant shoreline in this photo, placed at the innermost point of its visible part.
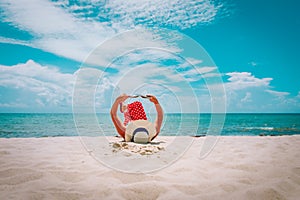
(255, 113)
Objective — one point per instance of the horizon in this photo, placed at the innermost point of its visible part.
(205, 113)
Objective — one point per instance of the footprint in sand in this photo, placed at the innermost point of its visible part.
(136, 148)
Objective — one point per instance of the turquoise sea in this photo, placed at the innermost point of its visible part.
(54, 125)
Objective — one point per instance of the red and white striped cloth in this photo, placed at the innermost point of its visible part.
(127, 117)
(135, 111)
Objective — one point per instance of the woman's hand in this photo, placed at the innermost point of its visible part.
(153, 99)
(122, 98)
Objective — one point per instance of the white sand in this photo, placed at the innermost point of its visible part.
(237, 168)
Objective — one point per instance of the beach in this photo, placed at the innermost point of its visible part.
(239, 167)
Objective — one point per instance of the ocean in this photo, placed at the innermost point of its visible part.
(13, 125)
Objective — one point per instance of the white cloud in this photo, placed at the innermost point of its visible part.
(130, 78)
(28, 15)
(40, 86)
(211, 75)
(73, 31)
(14, 41)
(253, 63)
(283, 98)
(13, 105)
(54, 29)
(247, 93)
(193, 61)
(46, 86)
(131, 47)
(277, 94)
(247, 97)
(196, 73)
(242, 80)
(181, 13)
(92, 90)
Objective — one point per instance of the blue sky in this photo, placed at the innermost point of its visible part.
(251, 45)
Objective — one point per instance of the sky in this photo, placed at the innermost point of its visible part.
(195, 56)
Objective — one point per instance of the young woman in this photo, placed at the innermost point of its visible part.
(121, 128)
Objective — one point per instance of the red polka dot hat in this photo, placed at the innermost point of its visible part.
(136, 111)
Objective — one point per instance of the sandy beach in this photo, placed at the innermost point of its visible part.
(239, 167)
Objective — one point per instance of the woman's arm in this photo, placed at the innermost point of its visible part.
(114, 116)
(160, 114)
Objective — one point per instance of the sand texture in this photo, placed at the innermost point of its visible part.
(239, 167)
